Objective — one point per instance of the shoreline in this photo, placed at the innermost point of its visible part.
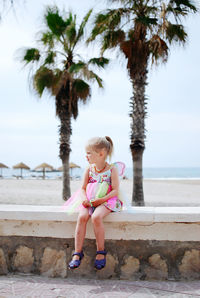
(165, 192)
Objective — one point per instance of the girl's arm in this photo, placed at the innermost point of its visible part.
(114, 191)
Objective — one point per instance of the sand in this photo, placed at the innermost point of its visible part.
(49, 192)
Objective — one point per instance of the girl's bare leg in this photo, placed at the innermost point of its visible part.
(97, 220)
(80, 230)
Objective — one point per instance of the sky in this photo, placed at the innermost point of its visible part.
(28, 124)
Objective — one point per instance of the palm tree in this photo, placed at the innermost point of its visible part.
(143, 31)
(60, 71)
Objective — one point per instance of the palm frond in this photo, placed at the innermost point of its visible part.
(57, 73)
(180, 8)
(89, 75)
(82, 26)
(48, 39)
(31, 55)
(112, 38)
(185, 5)
(94, 76)
(81, 89)
(115, 18)
(69, 20)
(76, 67)
(54, 21)
(126, 47)
(147, 21)
(150, 10)
(110, 19)
(43, 78)
(74, 105)
(99, 27)
(158, 49)
(70, 32)
(97, 30)
(176, 33)
(100, 62)
(50, 59)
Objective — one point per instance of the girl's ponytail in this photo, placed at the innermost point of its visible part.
(110, 151)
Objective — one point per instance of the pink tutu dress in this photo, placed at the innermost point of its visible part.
(99, 184)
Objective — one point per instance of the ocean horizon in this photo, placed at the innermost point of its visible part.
(148, 173)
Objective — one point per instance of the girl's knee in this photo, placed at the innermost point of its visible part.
(83, 218)
(96, 218)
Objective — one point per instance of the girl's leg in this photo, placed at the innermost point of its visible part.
(80, 230)
(97, 220)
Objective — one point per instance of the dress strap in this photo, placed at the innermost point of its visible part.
(91, 168)
(111, 167)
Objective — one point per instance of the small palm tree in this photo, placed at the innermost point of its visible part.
(60, 71)
(142, 30)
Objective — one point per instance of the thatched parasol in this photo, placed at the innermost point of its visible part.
(2, 166)
(21, 166)
(71, 166)
(44, 166)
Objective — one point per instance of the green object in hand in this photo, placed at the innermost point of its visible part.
(102, 191)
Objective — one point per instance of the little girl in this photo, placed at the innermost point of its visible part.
(98, 173)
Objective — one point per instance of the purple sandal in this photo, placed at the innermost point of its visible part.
(76, 263)
(100, 264)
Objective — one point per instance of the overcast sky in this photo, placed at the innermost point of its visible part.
(29, 127)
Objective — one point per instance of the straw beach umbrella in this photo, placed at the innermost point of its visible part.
(44, 167)
(21, 166)
(71, 166)
(2, 166)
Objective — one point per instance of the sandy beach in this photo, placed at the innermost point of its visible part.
(49, 192)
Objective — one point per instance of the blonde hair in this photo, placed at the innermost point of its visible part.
(99, 143)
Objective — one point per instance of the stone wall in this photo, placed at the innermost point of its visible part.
(126, 259)
(148, 243)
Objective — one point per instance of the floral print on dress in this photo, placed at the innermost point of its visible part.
(114, 204)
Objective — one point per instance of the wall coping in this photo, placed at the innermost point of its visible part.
(138, 223)
(135, 214)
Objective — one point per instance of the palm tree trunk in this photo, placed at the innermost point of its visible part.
(137, 145)
(138, 195)
(65, 133)
(66, 178)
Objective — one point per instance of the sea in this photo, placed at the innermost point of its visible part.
(77, 173)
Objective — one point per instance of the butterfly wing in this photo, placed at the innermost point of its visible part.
(120, 167)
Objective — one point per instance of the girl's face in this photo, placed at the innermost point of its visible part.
(92, 156)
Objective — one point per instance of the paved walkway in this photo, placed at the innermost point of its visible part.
(36, 286)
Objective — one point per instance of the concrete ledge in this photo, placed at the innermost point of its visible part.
(143, 243)
(152, 223)
(136, 214)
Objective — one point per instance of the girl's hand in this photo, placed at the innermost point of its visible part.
(86, 203)
(96, 202)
